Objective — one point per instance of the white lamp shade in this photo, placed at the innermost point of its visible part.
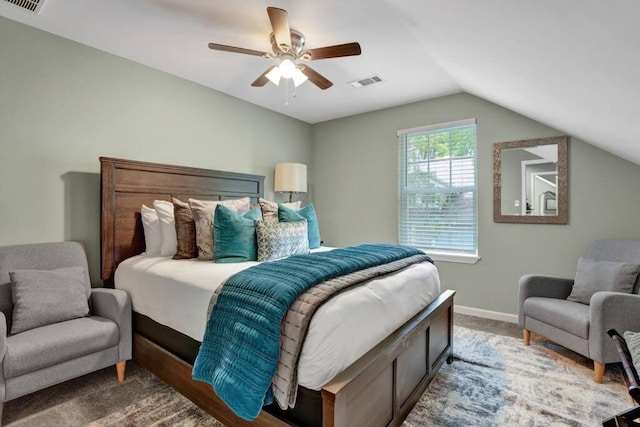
(290, 177)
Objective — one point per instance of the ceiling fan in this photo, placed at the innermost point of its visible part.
(288, 47)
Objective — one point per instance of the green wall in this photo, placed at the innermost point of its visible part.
(63, 105)
(354, 168)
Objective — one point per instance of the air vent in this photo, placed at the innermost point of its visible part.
(30, 5)
(366, 81)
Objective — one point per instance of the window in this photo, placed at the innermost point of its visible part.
(438, 191)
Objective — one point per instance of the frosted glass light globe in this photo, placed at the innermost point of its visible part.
(287, 68)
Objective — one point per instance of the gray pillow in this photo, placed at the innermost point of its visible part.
(42, 297)
(281, 239)
(593, 276)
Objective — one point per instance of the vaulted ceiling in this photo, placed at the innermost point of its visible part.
(572, 64)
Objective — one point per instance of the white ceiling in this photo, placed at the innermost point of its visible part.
(571, 64)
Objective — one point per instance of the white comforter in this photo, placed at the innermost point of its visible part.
(176, 293)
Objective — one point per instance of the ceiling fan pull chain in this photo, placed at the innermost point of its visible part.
(286, 91)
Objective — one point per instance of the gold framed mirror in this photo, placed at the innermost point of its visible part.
(530, 181)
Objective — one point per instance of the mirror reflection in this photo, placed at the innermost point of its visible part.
(530, 181)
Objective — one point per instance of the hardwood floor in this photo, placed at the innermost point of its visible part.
(487, 325)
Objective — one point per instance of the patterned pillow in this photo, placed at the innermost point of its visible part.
(203, 211)
(309, 213)
(281, 239)
(270, 209)
(185, 230)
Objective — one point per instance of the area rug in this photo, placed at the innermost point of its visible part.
(165, 408)
(494, 381)
(497, 381)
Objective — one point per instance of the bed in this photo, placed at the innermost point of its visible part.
(379, 388)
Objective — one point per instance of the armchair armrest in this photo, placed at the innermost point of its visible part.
(115, 305)
(535, 285)
(611, 310)
(3, 336)
(3, 350)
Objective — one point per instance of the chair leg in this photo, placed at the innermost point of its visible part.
(598, 370)
(527, 336)
(120, 368)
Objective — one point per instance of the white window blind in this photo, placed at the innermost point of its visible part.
(437, 188)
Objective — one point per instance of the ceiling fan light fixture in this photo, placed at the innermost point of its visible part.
(287, 68)
(299, 77)
(274, 76)
(288, 46)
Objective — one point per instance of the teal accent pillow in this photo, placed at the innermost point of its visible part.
(235, 235)
(309, 213)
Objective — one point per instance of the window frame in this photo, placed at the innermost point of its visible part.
(454, 255)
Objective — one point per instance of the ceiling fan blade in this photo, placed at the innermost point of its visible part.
(336, 51)
(315, 77)
(280, 24)
(262, 80)
(233, 49)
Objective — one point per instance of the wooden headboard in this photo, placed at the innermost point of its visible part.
(127, 184)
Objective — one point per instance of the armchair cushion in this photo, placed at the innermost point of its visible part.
(43, 297)
(535, 285)
(633, 344)
(566, 315)
(594, 276)
(53, 344)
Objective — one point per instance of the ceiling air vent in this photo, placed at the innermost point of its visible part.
(30, 5)
(366, 81)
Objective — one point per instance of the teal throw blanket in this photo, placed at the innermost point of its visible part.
(241, 346)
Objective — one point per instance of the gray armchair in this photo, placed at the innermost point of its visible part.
(46, 355)
(544, 309)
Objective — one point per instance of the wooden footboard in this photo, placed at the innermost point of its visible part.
(379, 389)
(177, 373)
(382, 386)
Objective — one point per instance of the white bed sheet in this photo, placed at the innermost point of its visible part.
(176, 293)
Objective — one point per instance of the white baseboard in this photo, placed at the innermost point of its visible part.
(485, 314)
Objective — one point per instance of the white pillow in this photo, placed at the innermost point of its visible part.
(169, 245)
(152, 233)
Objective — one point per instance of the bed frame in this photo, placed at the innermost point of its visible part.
(380, 388)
